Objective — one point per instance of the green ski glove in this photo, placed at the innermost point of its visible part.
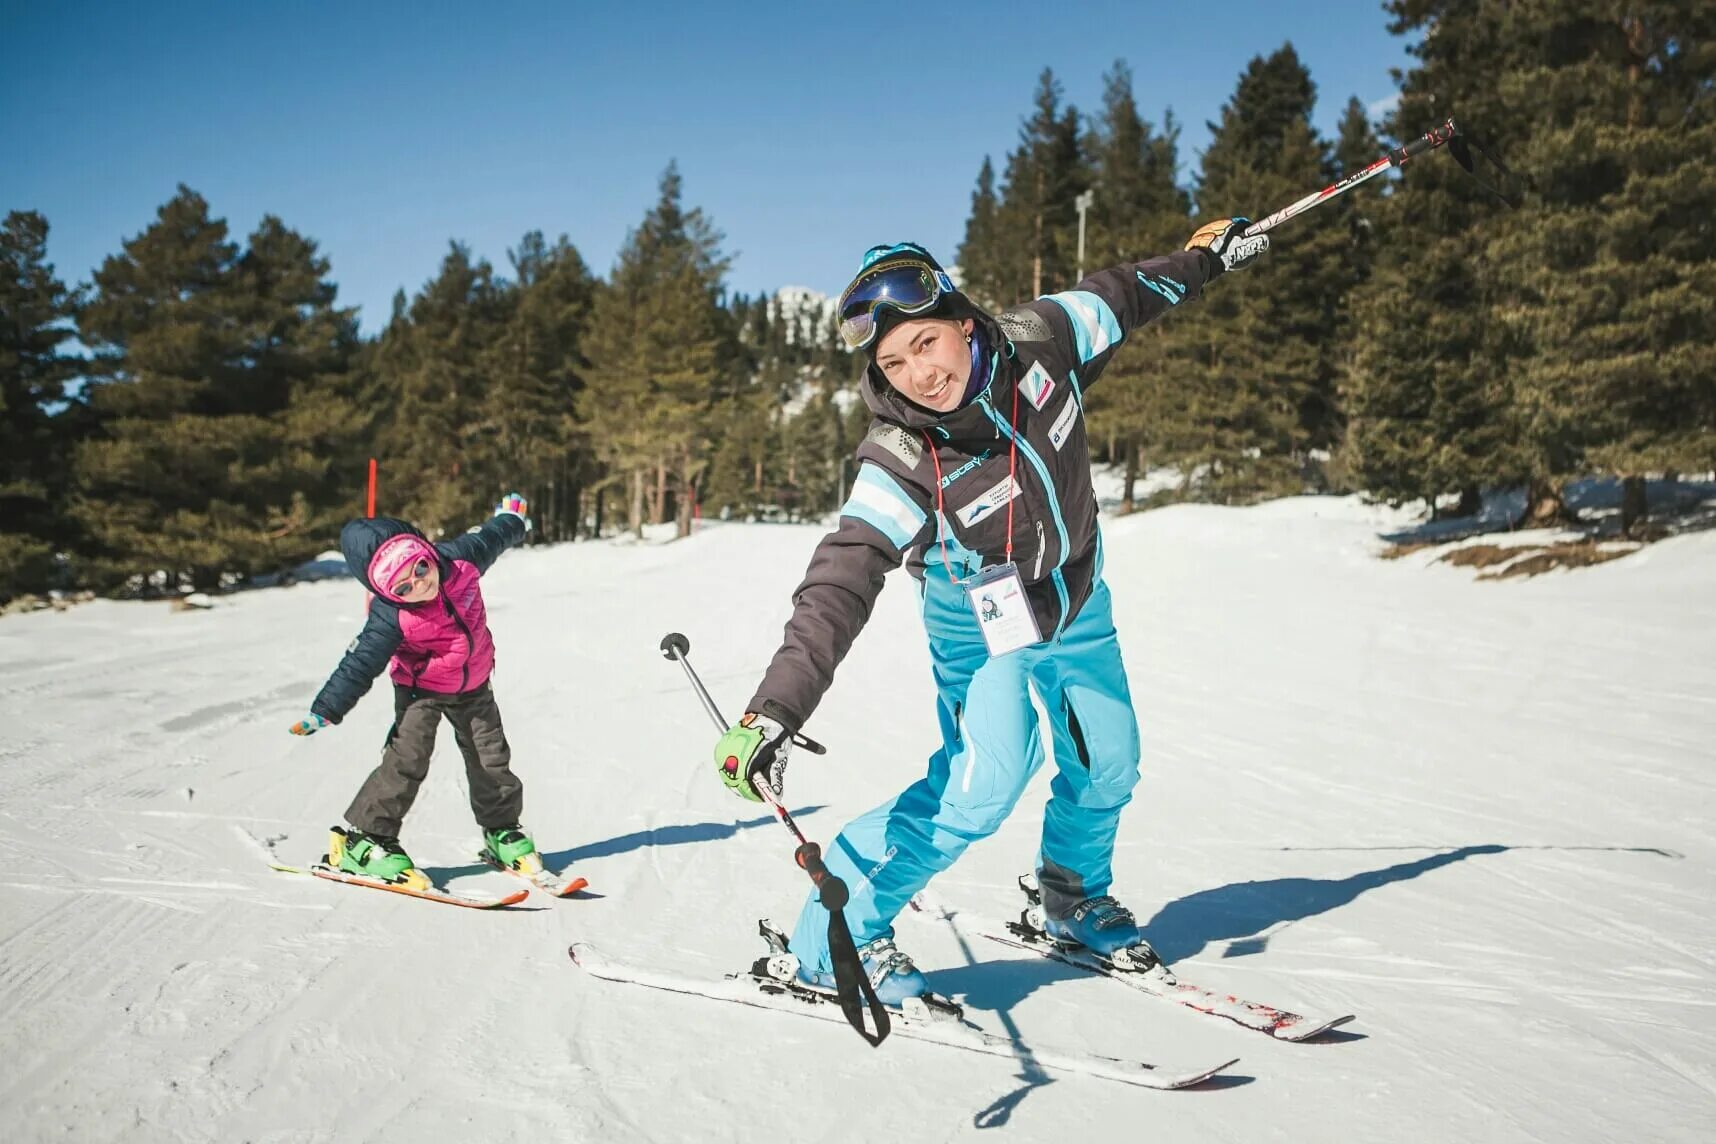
(755, 745)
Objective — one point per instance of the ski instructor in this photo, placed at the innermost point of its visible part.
(975, 473)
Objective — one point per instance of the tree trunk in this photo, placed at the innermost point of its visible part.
(1471, 502)
(1127, 504)
(547, 517)
(658, 502)
(1635, 507)
(636, 519)
(1543, 505)
(601, 503)
(682, 517)
(1037, 257)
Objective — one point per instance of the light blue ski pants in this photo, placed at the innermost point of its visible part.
(991, 746)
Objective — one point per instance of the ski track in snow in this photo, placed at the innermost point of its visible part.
(1477, 815)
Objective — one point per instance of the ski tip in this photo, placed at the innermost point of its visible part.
(575, 886)
(1211, 1074)
(1310, 1029)
(588, 958)
(433, 894)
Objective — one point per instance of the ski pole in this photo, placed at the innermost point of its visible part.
(676, 646)
(852, 985)
(1447, 135)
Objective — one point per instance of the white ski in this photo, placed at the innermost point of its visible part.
(955, 1033)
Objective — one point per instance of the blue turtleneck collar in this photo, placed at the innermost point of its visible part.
(981, 362)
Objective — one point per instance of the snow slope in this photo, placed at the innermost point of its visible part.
(1478, 815)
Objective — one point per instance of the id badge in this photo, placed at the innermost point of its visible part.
(998, 600)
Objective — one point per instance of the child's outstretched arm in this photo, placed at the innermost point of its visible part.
(483, 545)
(362, 664)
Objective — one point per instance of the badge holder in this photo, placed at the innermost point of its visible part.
(1004, 616)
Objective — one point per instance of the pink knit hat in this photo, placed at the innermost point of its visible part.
(393, 560)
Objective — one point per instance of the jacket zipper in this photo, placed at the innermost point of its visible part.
(470, 644)
(1042, 550)
(1048, 484)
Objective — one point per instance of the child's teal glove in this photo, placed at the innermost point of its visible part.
(308, 725)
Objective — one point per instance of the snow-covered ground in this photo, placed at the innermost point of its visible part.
(1478, 815)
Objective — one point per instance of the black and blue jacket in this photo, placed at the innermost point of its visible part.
(1051, 351)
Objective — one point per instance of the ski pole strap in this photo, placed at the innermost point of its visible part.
(852, 985)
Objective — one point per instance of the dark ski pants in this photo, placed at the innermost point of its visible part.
(497, 797)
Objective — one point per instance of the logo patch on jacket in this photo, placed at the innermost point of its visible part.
(999, 494)
(1036, 385)
(965, 468)
(1062, 428)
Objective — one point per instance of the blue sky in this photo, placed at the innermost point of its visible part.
(807, 131)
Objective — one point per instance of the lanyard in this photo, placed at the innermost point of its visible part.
(1012, 463)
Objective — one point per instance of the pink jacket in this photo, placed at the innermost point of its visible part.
(441, 645)
(445, 644)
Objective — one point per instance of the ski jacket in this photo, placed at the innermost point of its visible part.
(932, 489)
(441, 645)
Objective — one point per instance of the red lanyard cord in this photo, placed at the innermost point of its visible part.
(943, 528)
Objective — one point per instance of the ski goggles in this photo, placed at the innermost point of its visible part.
(907, 287)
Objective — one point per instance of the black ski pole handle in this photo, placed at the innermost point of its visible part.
(1435, 137)
(831, 891)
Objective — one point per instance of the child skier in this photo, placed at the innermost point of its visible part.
(428, 627)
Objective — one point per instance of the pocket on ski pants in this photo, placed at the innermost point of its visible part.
(1105, 728)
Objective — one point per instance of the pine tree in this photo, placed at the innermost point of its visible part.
(301, 351)
(1261, 384)
(1429, 388)
(37, 425)
(1612, 266)
(659, 346)
(1036, 224)
(205, 462)
(1139, 210)
(527, 434)
(1360, 212)
(433, 376)
(981, 259)
(743, 427)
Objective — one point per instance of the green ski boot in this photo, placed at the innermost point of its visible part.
(373, 856)
(512, 849)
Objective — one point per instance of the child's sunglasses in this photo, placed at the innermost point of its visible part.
(418, 571)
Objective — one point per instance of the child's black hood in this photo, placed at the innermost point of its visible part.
(360, 538)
